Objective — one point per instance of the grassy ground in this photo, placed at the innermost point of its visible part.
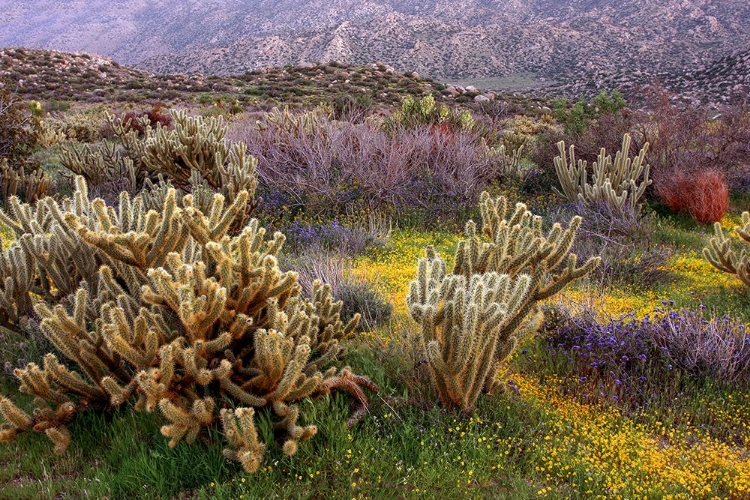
(538, 439)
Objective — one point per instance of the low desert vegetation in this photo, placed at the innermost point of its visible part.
(360, 297)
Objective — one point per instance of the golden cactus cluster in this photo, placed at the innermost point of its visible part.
(724, 257)
(473, 318)
(618, 183)
(170, 310)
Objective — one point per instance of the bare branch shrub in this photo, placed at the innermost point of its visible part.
(327, 166)
(714, 346)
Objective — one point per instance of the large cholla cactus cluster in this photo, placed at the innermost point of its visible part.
(168, 309)
(722, 256)
(618, 184)
(473, 318)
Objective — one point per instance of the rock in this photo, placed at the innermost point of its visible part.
(482, 98)
(471, 88)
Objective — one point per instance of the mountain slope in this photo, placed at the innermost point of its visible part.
(571, 41)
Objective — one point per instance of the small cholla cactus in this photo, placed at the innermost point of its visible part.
(36, 108)
(474, 318)
(722, 256)
(619, 183)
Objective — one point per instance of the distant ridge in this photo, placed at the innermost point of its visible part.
(581, 44)
(54, 75)
(45, 74)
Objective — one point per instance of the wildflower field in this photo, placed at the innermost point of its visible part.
(176, 341)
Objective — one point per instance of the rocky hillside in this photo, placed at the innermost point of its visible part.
(728, 78)
(52, 75)
(582, 45)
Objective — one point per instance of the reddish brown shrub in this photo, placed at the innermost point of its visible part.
(155, 117)
(671, 191)
(710, 197)
(703, 194)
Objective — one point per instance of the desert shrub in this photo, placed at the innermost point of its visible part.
(690, 139)
(310, 163)
(614, 361)
(350, 239)
(350, 108)
(360, 297)
(151, 118)
(632, 362)
(716, 347)
(703, 194)
(579, 116)
(83, 127)
(18, 128)
(418, 112)
(626, 242)
(607, 132)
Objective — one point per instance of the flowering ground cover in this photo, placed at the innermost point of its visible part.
(591, 447)
(557, 432)
(634, 386)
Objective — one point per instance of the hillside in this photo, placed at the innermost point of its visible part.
(579, 43)
(52, 75)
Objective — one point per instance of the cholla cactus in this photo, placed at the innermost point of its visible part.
(415, 112)
(104, 164)
(721, 255)
(296, 124)
(615, 183)
(213, 316)
(473, 319)
(508, 164)
(17, 181)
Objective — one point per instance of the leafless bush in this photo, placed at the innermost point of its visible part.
(694, 138)
(625, 241)
(331, 165)
(718, 347)
(358, 294)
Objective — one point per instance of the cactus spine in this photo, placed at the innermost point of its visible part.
(474, 318)
(722, 256)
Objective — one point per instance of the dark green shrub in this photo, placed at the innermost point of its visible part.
(578, 117)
